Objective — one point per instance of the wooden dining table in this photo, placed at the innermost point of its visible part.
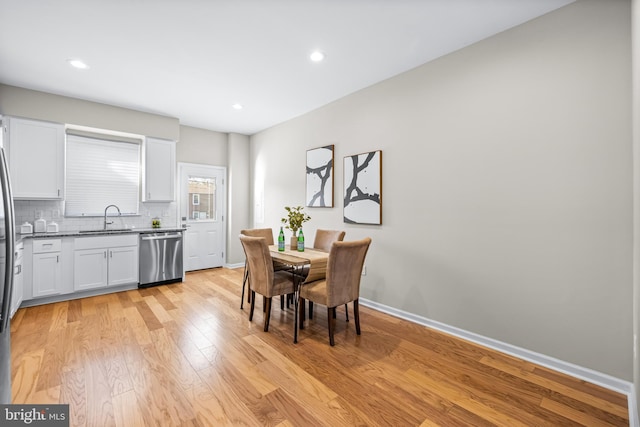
(315, 259)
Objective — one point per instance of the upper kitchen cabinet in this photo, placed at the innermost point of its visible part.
(36, 158)
(160, 167)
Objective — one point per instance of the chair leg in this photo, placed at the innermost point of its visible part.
(334, 312)
(264, 303)
(356, 316)
(301, 313)
(267, 314)
(244, 283)
(332, 323)
(346, 310)
(253, 304)
(282, 302)
(310, 309)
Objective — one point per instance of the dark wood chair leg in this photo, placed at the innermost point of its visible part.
(310, 309)
(301, 313)
(245, 278)
(356, 316)
(264, 304)
(334, 312)
(267, 314)
(332, 322)
(346, 310)
(253, 304)
(282, 302)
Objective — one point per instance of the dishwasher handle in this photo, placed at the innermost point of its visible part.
(170, 236)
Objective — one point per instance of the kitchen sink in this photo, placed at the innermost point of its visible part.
(105, 231)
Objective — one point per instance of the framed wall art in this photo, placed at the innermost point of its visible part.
(320, 177)
(363, 188)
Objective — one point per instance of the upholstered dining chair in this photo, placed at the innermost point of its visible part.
(267, 233)
(264, 280)
(342, 283)
(323, 241)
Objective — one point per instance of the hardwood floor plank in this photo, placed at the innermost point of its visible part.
(47, 396)
(186, 355)
(575, 415)
(74, 310)
(73, 392)
(135, 320)
(151, 321)
(59, 316)
(308, 383)
(234, 409)
(52, 362)
(562, 389)
(99, 404)
(17, 319)
(25, 380)
(127, 410)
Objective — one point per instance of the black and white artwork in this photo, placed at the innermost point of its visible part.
(320, 177)
(363, 188)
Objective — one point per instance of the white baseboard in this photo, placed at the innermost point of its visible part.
(586, 374)
(236, 265)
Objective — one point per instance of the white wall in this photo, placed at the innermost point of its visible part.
(16, 101)
(507, 185)
(202, 146)
(238, 197)
(635, 27)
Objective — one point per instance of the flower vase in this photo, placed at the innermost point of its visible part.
(294, 242)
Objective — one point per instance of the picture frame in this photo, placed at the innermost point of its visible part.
(363, 188)
(319, 172)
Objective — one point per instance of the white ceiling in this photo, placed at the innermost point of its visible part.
(193, 59)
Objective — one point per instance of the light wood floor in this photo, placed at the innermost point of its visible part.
(185, 354)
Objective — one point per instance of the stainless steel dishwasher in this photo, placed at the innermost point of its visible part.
(160, 258)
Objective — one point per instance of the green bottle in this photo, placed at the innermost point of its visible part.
(281, 240)
(300, 241)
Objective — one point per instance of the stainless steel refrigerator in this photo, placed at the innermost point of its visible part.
(7, 246)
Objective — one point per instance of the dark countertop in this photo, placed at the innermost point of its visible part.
(98, 232)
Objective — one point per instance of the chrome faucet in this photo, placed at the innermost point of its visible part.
(105, 215)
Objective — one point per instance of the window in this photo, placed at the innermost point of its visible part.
(203, 198)
(101, 170)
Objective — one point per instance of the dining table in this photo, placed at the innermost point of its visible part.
(306, 266)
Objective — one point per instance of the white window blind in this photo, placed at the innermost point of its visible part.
(99, 173)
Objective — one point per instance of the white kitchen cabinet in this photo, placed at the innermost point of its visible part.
(102, 261)
(47, 267)
(36, 158)
(90, 269)
(123, 265)
(18, 280)
(160, 167)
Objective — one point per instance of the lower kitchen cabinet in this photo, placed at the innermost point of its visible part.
(47, 267)
(105, 261)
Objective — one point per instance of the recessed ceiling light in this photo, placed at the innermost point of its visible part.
(317, 56)
(78, 63)
(237, 106)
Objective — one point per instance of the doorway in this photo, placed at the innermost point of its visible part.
(202, 200)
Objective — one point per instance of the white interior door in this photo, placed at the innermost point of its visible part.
(202, 208)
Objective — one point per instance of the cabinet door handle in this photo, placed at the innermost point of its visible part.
(110, 254)
(58, 192)
(105, 254)
(57, 258)
(148, 195)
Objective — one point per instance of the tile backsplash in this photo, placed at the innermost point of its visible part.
(53, 210)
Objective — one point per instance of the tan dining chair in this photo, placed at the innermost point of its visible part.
(342, 283)
(262, 277)
(323, 241)
(267, 234)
